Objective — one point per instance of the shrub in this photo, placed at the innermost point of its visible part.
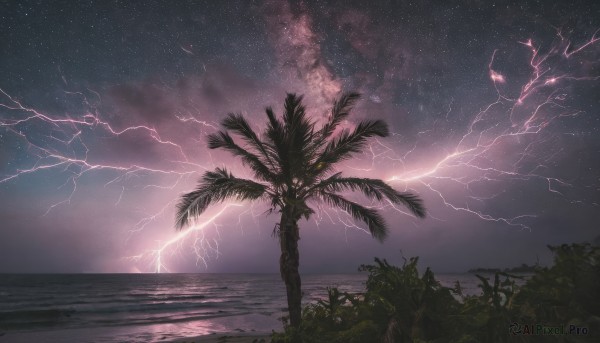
(399, 305)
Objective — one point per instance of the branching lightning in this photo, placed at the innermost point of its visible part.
(522, 119)
(507, 122)
(202, 246)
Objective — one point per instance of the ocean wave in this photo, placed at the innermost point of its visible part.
(30, 318)
(62, 313)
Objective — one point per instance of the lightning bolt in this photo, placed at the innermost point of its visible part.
(505, 123)
(519, 121)
(62, 147)
(202, 247)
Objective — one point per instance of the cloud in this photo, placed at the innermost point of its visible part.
(142, 101)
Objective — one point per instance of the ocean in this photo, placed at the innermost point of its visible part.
(157, 307)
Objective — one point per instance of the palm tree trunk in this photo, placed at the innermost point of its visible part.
(289, 262)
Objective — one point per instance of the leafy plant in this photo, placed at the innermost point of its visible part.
(566, 293)
(400, 305)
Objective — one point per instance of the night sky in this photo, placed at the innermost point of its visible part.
(105, 107)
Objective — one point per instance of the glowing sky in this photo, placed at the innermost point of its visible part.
(105, 108)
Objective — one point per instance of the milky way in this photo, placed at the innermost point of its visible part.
(105, 109)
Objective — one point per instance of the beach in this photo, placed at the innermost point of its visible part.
(227, 338)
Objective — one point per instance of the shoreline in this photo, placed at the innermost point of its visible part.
(232, 337)
(71, 337)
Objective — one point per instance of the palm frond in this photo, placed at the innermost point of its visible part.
(294, 112)
(348, 143)
(238, 124)
(369, 216)
(222, 140)
(275, 127)
(340, 110)
(373, 189)
(276, 139)
(288, 139)
(300, 134)
(215, 186)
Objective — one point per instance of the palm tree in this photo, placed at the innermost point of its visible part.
(293, 163)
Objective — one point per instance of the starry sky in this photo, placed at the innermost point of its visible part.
(105, 107)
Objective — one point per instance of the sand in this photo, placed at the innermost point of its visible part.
(227, 338)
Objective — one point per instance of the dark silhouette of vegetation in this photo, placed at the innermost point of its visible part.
(557, 304)
(523, 268)
(293, 163)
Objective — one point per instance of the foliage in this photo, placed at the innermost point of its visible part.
(409, 307)
(485, 317)
(401, 306)
(566, 293)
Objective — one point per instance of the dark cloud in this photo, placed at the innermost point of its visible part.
(145, 102)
